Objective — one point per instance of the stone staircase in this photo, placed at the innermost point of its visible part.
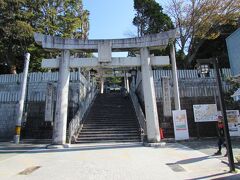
(111, 119)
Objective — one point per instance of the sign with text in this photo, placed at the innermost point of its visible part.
(180, 124)
(233, 122)
(167, 110)
(205, 112)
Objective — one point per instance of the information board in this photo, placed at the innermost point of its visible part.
(205, 112)
(180, 124)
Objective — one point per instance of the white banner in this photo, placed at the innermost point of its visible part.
(205, 112)
(180, 125)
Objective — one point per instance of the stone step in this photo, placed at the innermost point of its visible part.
(107, 141)
(113, 135)
(108, 127)
(108, 138)
(92, 130)
(111, 119)
(109, 132)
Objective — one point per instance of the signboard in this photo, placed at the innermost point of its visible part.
(167, 110)
(205, 112)
(180, 125)
(49, 104)
(233, 122)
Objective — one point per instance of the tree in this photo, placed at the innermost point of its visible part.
(199, 20)
(216, 47)
(15, 31)
(20, 18)
(58, 17)
(149, 17)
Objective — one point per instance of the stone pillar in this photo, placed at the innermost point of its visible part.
(80, 85)
(175, 78)
(133, 83)
(126, 82)
(153, 134)
(49, 104)
(60, 123)
(102, 85)
(22, 99)
(167, 110)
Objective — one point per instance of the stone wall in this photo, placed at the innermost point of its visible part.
(7, 120)
(35, 126)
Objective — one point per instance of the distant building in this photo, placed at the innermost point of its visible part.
(233, 46)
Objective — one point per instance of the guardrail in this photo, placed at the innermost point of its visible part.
(139, 114)
(75, 124)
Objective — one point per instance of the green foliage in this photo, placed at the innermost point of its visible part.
(115, 80)
(15, 31)
(149, 17)
(216, 47)
(19, 19)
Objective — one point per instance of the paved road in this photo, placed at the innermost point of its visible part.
(209, 146)
(128, 161)
(9, 149)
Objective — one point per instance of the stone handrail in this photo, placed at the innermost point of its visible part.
(76, 123)
(139, 113)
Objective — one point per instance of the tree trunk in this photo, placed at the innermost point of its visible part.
(194, 52)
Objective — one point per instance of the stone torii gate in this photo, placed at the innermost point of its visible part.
(104, 48)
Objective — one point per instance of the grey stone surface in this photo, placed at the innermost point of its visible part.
(7, 120)
(154, 40)
(209, 146)
(114, 162)
(36, 103)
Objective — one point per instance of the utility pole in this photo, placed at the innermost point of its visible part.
(22, 99)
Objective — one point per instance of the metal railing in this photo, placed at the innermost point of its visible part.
(75, 124)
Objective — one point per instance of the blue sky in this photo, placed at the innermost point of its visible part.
(110, 19)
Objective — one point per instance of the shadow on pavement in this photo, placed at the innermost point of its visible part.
(193, 160)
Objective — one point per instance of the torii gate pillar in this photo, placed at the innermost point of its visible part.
(153, 134)
(102, 85)
(60, 122)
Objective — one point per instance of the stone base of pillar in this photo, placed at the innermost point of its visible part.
(16, 139)
(156, 145)
(58, 146)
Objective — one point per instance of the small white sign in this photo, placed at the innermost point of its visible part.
(180, 124)
(205, 112)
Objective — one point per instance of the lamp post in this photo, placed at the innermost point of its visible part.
(203, 64)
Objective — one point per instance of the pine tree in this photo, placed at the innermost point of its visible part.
(19, 19)
(149, 17)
